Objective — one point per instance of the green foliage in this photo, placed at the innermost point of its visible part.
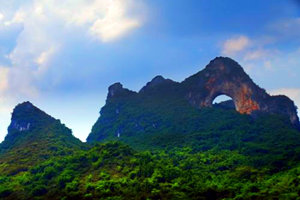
(216, 154)
(45, 138)
(116, 171)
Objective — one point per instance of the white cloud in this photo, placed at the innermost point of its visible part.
(19, 17)
(1, 17)
(44, 59)
(3, 78)
(255, 54)
(105, 19)
(44, 56)
(285, 63)
(235, 45)
(46, 24)
(114, 24)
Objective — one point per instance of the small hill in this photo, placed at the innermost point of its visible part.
(34, 136)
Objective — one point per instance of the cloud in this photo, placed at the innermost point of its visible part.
(235, 45)
(41, 30)
(286, 28)
(292, 93)
(250, 52)
(6, 103)
(114, 24)
(256, 54)
(3, 78)
(18, 17)
(46, 25)
(1, 17)
(284, 62)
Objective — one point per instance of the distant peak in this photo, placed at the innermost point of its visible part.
(156, 81)
(117, 90)
(25, 116)
(26, 104)
(26, 108)
(224, 64)
(114, 87)
(222, 59)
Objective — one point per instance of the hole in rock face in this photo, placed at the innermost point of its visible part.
(223, 101)
(221, 98)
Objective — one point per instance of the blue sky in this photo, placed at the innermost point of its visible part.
(63, 56)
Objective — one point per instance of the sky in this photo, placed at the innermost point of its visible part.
(62, 56)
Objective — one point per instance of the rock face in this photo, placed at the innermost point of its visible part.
(225, 76)
(157, 81)
(164, 103)
(116, 91)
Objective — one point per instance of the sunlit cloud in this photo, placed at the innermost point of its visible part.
(114, 24)
(235, 45)
(46, 25)
(1, 17)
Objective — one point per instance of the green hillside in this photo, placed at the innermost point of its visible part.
(234, 157)
(33, 137)
(116, 171)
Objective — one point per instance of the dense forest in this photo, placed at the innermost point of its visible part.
(241, 158)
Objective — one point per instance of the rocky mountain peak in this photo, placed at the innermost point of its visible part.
(116, 90)
(35, 135)
(26, 104)
(29, 125)
(26, 116)
(224, 76)
(223, 63)
(223, 67)
(157, 81)
(149, 110)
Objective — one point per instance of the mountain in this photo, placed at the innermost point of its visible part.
(167, 141)
(167, 112)
(34, 136)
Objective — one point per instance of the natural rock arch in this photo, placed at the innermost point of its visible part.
(220, 76)
(225, 76)
(241, 95)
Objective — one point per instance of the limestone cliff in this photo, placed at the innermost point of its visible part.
(165, 105)
(225, 76)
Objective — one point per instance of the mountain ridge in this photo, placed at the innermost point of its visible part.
(207, 77)
(153, 144)
(221, 76)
